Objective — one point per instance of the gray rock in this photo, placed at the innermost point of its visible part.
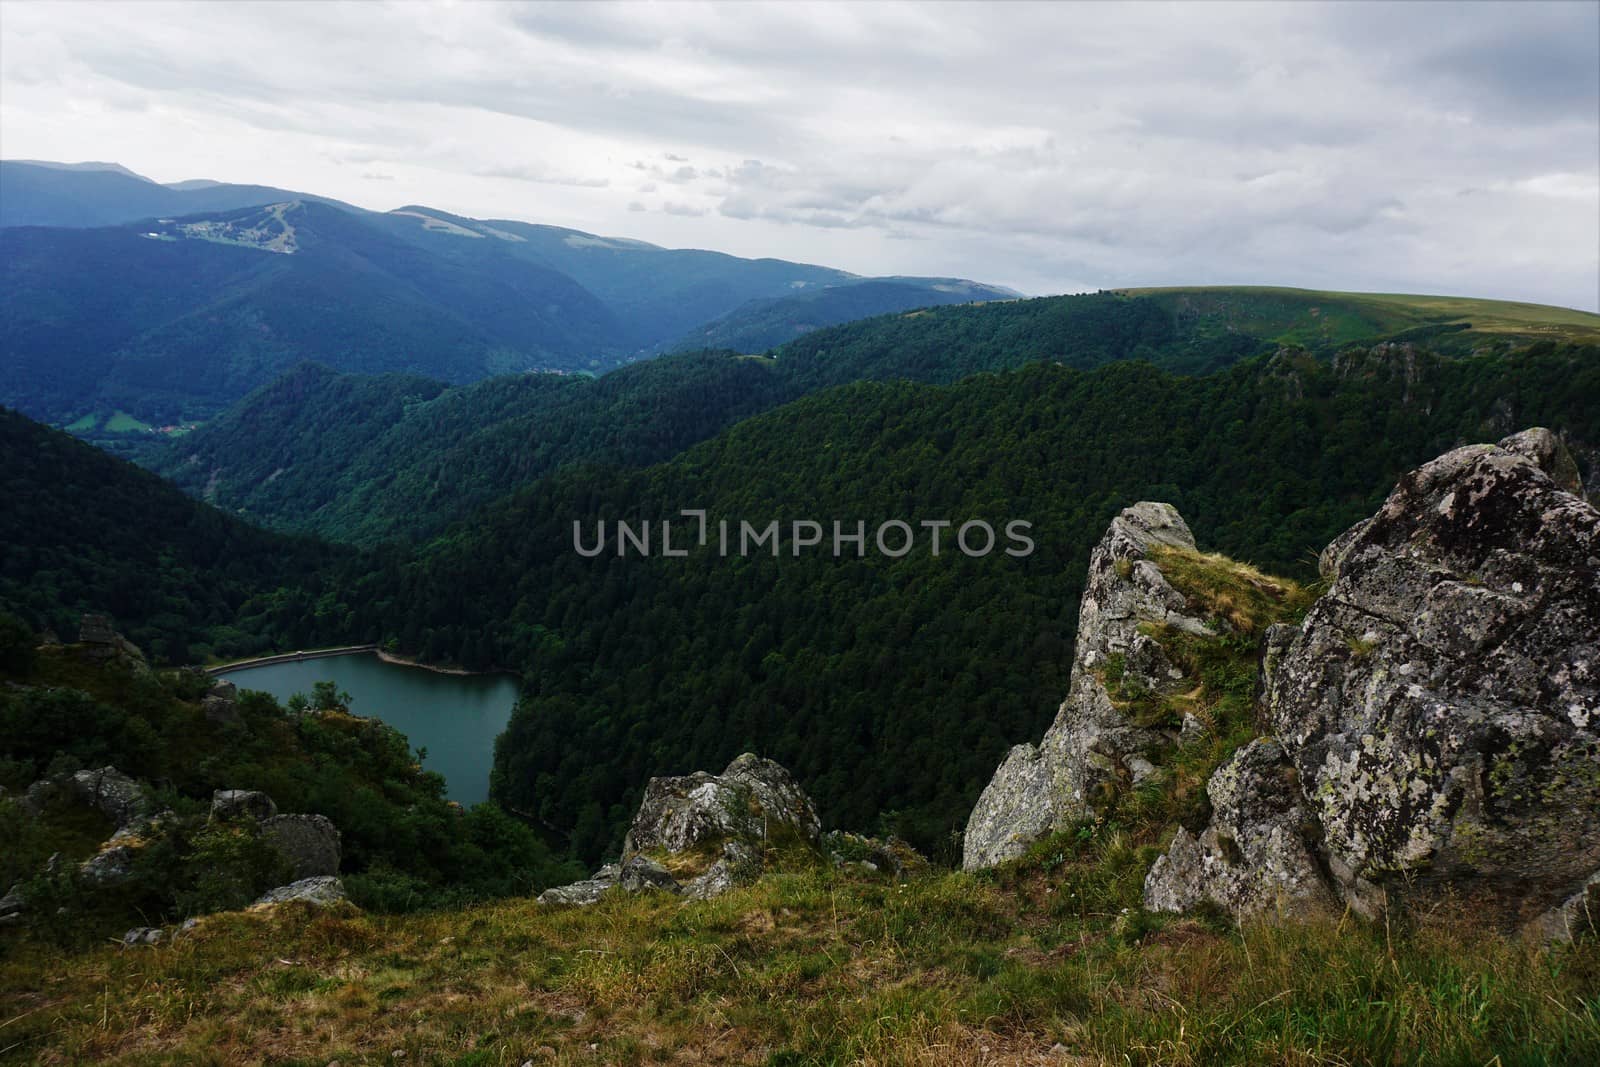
(101, 643)
(107, 790)
(1092, 744)
(221, 703)
(110, 866)
(1440, 705)
(720, 824)
(143, 935)
(1577, 916)
(233, 803)
(1442, 701)
(753, 799)
(309, 842)
(12, 906)
(641, 873)
(1253, 858)
(581, 894)
(322, 891)
(893, 856)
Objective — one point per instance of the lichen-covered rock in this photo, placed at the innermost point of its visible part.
(589, 891)
(1092, 743)
(1441, 703)
(1254, 857)
(641, 872)
(109, 866)
(716, 826)
(310, 843)
(322, 890)
(753, 799)
(107, 790)
(99, 642)
(233, 803)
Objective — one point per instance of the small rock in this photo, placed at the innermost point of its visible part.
(322, 891)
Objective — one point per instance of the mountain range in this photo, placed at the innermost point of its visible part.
(168, 302)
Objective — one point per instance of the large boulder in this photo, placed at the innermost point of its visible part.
(701, 834)
(1440, 705)
(310, 843)
(1093, 744)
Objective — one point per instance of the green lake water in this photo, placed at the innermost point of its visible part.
(455, 717)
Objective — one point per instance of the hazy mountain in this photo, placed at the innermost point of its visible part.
(763, 324)
(36, 193)
(186, 316)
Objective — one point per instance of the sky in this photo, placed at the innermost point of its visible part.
(1428, 148)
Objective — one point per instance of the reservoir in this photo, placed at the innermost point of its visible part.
(455, 717)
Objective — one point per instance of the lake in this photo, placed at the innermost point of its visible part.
(455, 717)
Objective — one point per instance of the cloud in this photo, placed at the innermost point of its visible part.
(1421, 147)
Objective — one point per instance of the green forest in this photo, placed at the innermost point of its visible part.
(890, 686)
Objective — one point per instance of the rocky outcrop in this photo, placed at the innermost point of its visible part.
(1439, 706)
(310, 843)
(229, 804)
(1093, 744)
(701, 834)
(99, 642)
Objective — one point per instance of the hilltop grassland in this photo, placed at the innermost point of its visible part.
(1038, 963)
(1316, 317)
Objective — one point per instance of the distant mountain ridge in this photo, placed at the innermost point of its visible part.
(127, 295)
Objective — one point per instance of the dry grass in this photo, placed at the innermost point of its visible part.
(1035, 965)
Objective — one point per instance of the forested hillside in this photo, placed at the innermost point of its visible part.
(368, 461)
(83, 531)
(892, 686)
(764, 324)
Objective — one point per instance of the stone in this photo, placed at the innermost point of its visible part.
(1439, 707)
(110, 866)
(220, 704)
(752, 798)
(641, 872)
(893, 855)
(115, 795)
(310, 843)
(1577, 916)
(143, 935)
(322, 891)
(718, 825)
(586, 892)
(234, 803)
(1092, 744)
(1253, 858)
(101, 643)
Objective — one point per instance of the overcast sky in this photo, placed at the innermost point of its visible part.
(1050, 147)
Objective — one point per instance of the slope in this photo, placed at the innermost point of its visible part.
(765, 324)
(82, 531)
(180, 318)
(34, 193)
